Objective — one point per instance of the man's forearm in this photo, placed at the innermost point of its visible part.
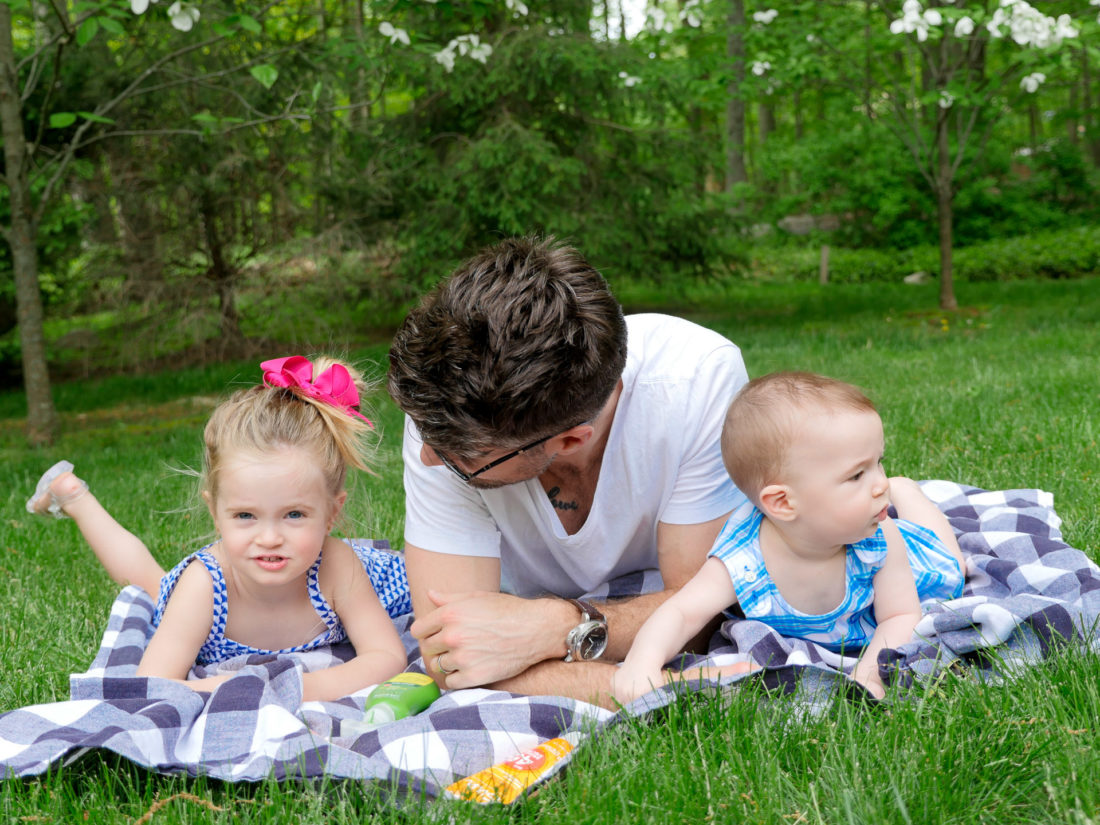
(583, 681)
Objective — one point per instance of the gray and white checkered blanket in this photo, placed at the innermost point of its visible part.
(1026, 592)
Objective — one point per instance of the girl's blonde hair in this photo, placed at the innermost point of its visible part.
(264, 418)
(765, 417)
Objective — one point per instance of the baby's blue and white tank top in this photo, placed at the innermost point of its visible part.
(386, 570)
(851, 624)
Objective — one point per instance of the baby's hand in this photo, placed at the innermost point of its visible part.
(628, 683)
(874, 686)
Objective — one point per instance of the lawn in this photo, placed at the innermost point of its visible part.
(1001, 394)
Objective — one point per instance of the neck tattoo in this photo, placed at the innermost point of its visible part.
(553, 493)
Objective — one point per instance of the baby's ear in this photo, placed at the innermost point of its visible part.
(209, 501)
(776, 502)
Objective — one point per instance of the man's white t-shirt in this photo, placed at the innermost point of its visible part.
(662, 463)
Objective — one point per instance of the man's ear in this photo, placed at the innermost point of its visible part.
(572, 439)
(776, 502)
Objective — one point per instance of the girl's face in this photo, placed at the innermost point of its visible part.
(836, 477)
(273, 513)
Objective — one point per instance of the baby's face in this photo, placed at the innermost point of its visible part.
(834, 471)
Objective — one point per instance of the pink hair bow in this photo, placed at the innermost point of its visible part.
(333, 386)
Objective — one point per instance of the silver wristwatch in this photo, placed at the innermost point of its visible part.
(588, 640)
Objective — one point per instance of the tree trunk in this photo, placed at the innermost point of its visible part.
(1092, 139)
(945, 212)
(1072, 130)
(798, 120)
(224, 276)
(21, 235)
(767, 121)
(735, 101)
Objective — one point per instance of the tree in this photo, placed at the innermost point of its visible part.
(20, 235)
(941, 91)
(31, 177)
(51, 126)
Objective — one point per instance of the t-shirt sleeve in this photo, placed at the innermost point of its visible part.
(442, 514)
(703, 490)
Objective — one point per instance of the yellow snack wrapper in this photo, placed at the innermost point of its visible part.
(505, 781)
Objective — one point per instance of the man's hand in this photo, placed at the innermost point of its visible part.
(479, 637)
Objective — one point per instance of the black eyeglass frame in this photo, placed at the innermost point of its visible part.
(468, 477)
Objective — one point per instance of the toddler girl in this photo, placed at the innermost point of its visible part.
(817, 557)
(275, 460)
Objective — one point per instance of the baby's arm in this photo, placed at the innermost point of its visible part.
(379, 652)
(913, 505)
(671, 626)
(124, 555)
(897, 609)
(182, 631)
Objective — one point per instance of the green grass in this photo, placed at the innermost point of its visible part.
(999, 395)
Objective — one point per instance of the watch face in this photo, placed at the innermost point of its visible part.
(593, 641)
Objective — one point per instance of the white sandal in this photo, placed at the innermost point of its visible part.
(56, 502)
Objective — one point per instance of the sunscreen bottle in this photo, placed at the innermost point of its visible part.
(505, 781)
(406, 694)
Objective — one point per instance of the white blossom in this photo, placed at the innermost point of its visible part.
(445, 57)
(760, 67)
(1032, 82)
(393, 33)
(465, 45)
(139, 6)
(183, 16)
(629, 79)
(659, 20)
(916, 20)
(517, 7)
(689, 14)
(765, 17)
(946, 101)
(1028, 26)
(964, 27)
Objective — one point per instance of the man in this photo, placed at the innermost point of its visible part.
(551, 446)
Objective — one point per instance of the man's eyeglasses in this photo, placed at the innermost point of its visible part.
(467, 477)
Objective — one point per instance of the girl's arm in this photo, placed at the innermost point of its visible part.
(125, 556)
(183, 630)
(379, 652)
(671, 626)
(897, 609)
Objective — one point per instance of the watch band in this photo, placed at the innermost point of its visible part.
(589, 611)
(588, 640)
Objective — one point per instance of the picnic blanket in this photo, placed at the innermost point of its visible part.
(1027, 591)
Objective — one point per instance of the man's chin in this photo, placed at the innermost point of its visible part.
(488, 484)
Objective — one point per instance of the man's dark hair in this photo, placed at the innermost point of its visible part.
(521, 341)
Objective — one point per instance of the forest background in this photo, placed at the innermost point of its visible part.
(198, 181)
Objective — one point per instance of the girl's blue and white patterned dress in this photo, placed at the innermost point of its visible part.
(851, 624)
(385, 568)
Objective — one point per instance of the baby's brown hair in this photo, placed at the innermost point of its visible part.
(764, 417)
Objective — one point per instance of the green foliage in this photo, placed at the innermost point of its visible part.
(1064, 253)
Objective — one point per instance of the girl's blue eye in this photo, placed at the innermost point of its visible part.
(296, 514)
(243, 516)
